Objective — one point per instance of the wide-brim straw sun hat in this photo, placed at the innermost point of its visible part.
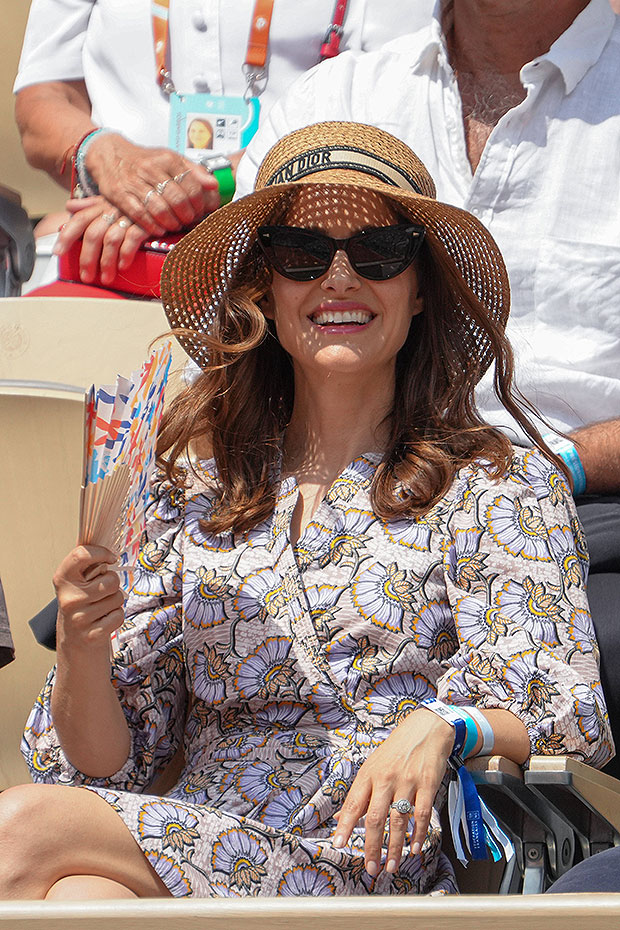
(222, 251)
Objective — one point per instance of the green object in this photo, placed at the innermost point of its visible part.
(225, 183)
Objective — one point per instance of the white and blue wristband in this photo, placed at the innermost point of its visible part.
(468, 814)
(569, 455)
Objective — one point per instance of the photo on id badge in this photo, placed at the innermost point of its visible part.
(205, 124)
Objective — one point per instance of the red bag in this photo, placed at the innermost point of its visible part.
(140, 278)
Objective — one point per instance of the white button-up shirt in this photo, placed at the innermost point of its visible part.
(109, 44)
(547, 187)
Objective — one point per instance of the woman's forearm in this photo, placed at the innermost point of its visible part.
(511, 736)
(51, 118)
(87, 714)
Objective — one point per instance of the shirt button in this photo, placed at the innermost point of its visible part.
(198, 21)
(201, 84)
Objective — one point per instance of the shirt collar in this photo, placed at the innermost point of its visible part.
(573, 54)
(582, 44)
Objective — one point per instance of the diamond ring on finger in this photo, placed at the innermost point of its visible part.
(403, 806)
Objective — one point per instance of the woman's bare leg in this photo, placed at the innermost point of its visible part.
(87, 887)
(51, 832)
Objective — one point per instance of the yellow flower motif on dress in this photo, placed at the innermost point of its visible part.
(533, 606)
(558, 489)
(174, 825)
(532, 687)
(210, 674)
(147, 574)
(171, 661)
(240, 855)
(343, 489)
(260, 595)
(478, 623)
(580, 539)
(548, 744)
(466, 501)
(382, 593)
(367, 661)
(350, 537)
(483, 668)
(518, 528)
(465, 563)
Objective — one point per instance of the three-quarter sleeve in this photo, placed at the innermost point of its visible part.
(515, 565)
(148, 670)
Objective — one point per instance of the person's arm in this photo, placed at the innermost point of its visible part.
(115, 724)
(411, 764)
(516, 581)
(54, 116)
(51, 117)
(598, 446)
(88, 717)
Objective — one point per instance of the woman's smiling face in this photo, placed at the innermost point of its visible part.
(343, 321)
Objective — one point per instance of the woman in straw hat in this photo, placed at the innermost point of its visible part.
(335, 538)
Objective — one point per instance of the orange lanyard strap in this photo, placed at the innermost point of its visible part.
(331, 42)
(258, 41)
(159, 15)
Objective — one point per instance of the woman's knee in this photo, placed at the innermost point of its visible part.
(23, 821)
(21, 806)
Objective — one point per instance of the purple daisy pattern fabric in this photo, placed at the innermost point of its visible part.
(278, 668)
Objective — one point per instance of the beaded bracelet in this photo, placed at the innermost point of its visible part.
(87, 184)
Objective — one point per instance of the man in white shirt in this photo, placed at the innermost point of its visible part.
(514, 109)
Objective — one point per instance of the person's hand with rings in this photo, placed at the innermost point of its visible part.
(112, 234)
(398, 781)
(109, 239)
(156, 188)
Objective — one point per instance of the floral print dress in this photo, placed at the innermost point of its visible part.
(281, 667)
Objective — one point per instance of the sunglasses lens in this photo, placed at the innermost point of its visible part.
(377, 254)
(295, 253)
(382, 253)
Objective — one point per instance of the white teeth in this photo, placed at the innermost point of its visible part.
(341, 316)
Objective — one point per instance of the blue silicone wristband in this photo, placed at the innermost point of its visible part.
(569, 455)
(472, 733)
(453, 716)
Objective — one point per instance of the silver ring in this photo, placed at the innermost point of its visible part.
(403, 806)
(179, 177)
(109, 218)
(161, 187)
(148, 196)
(124, 223)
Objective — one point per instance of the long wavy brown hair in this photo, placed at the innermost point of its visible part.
(240, 406)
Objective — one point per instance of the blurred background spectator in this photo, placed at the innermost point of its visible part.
(7, 652)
